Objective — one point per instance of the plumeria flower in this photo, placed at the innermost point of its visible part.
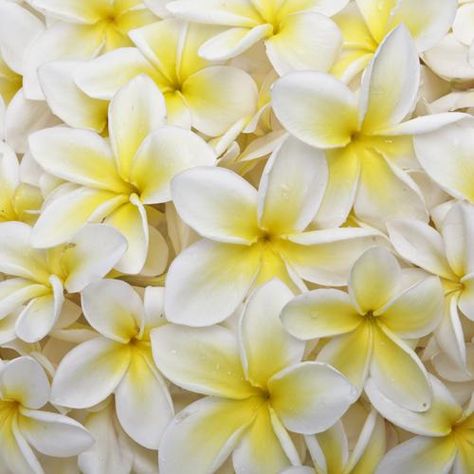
(366, 141)
(117, 180)
(447, 253)
(365, 23)
(38, 278)
(81, 30)
(257, 388)
(297, 35)
(207, 96)
(18, 201)
(445, 435)
(252, 236)
(118, 360)
(24, 389)
(368, 326)
(330, 450)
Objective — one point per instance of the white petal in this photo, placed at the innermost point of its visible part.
(53, 434)
(113, 309)
(71, 10)
(310, 397)
(89, 373)
(217, 203)
(292, 187)
(207, 281)
(24, 380)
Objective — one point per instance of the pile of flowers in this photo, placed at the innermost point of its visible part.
(236, 236)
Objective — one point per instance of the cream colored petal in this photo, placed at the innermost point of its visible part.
(291, 188)
(316, 108)
(136, 110)
(266, 347)
(217, 203)
(75, 11)
(204, 360)
(164, 154)
(305, 41)
(375, 279)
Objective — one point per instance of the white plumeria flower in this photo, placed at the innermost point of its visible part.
(24, 389)
(448, 254)
(118, 360)
(445, 435)
(116, 180)
(365, 23)
(331, 451)
(257, 389)
(385, 307)
(39, 277)
(201, 94)
(252, 236)
(297, 34)
(365, 139)
(80, 30)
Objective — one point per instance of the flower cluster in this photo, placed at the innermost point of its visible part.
(236, 236)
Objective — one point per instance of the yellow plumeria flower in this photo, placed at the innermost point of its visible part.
(24, 389)
(201, 94)
(251, 236)
(368, 325)
(257, 388)
(366, 141)
(38, 278)
(18, 201)
(445, 435)
(118, 360)
(81, 30)
(339, 450)
(446, 253)
(365, 23)
(116, 180)
(297, 34)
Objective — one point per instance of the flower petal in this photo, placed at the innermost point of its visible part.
(292, 187)
(143, 404)
(89, 373)
(113, 309)
(207, 281)
(217, 203)
(135, 111)
(310, 397)
(202, 436)
(74, 11)
(320, 313)
(204, 360)
(23, 379)
(266, 347)
(53, 434)
(164, 154)
(375, 279)
(305, 41)
(316, 108)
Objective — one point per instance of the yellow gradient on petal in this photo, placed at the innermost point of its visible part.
(10, 82)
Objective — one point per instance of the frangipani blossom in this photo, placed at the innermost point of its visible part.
(252, 236)
(38, 278)
(80, 30)
(330, 454)
(447, 253)
(445, 435)
(119, 361)
(365, 23)
(24, 389)
(366, 142)
(257, 388)
(297, 34)
(18, 201)
(205, 95)
(116, 180)
(369, 325)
